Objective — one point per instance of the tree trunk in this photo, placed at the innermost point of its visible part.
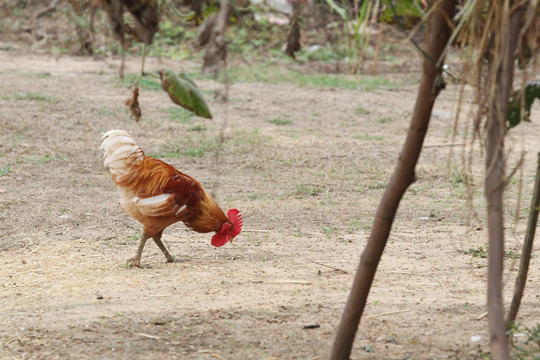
(216, 51)
(501, 67)
(436, 40)
(521, 278)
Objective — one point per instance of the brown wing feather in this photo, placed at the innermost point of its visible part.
(202, 213)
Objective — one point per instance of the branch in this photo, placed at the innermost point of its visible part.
(521, 278)
(403, 176)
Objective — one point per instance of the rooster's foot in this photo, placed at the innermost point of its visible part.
(133, 262)
(177, 260)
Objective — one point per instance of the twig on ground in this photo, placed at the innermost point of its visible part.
(388, 313)
(328, 266)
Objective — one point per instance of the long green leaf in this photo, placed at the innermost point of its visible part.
(341, 11)
(184, 92)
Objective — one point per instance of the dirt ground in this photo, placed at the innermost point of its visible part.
(308, 185)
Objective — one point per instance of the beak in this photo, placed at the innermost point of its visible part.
(230, 238)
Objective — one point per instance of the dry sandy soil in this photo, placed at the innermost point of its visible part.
(308, 185)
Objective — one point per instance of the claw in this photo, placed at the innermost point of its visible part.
(132, 262)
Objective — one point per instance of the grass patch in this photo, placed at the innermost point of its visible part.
(528, 345)
(179, 114)
(458, 175)
(328, 230)
(273, 73)
(385, 119)
(354, 226)
(309, 190)
(199, 145)
(191, 148)
(246, 140)
(361, 110)
(279, 121)
(478, 252)
(34, 96)
(106, 112)
(5, 170)
(367, 137)
(198, 128)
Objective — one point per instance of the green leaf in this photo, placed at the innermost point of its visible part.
(403, 12)
(341, 11)
(184, 92)
(532, 92)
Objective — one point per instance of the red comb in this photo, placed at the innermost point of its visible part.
(237, 221)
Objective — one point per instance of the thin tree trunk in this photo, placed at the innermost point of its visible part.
(439, 33)
(521, 278)
(501, 65)
(216, 51)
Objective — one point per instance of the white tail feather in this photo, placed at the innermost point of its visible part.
(121, 155)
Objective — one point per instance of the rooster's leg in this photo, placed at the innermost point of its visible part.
(136, 261)
(157, 240)
(170, 258)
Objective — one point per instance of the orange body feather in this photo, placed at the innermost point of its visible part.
(158, 195)
(201, 212)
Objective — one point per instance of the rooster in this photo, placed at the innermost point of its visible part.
(158, 195)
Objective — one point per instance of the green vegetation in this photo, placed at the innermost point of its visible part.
(247, 140)
(309, 190)
(179, 114)
(361, 111)
(198, 128)
(34, 96)
(528, 345)
(367, 137)
(478, 252)
(275, 73)
(191, 148)
(5, 170)
(328, 230)
(106, 112)
(279, 121)
(168, 40)
(199, 145)
(385, 119)
(354, 225)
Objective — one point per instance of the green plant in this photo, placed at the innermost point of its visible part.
(198, 128)
(354, 225)
(385, 119)
(368, 137)
(512, 254)
(179, 114)
(478, 252)
(5, 170)
(106, 112)
(529, 347)
(279, 121)
(246, 140)
(191, 148)
(269, 72)
(361, 110)
(328, 230)
(33, 96)
(309, 190)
